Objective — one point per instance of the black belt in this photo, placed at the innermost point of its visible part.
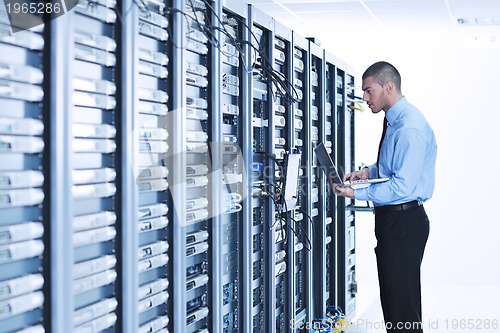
(398, 207)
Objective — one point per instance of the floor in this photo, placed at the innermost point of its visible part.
(446, 309)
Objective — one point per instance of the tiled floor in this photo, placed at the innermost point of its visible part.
(446, 309)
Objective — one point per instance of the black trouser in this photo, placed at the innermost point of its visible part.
(401, 238)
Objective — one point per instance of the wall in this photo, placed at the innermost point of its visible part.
(455, 84)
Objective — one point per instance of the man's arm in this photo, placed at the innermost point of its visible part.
(406, 166)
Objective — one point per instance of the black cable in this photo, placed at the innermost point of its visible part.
(305, 234)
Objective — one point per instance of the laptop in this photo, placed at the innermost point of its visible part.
(333, 175)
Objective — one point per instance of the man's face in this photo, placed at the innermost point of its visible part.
(374, 95)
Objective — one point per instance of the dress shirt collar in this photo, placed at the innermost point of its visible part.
(394, 111)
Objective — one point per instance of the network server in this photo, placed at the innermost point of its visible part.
(157, 172)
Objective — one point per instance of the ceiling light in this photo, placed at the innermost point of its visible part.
(478, 21)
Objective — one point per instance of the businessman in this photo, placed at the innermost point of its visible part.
(407, 156)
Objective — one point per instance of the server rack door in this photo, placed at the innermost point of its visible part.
(145, 237)
(264, 235)
(350, 261)
(302, 297)
(233, 169)
(330, 128)
(24, 179)
(316, 110)
(197, 73)
(94, 155)
(283, 108)
(346, 224)
(180, 274)
(283, 139)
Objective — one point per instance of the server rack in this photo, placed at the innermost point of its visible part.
(264, 235)
(330, 135)
(24, 178)
(318, 210)
(145, 204)
(303, 295)
(346, 250)
(284, 137)
(234, 172)
(198, 67)
(147, 108)
(93, 159)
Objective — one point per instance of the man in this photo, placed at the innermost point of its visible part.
(407, 156)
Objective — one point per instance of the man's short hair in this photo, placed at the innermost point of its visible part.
(384, 72)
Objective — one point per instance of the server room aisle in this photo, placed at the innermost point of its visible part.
(446, 309)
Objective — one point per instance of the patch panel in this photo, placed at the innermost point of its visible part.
(196, 136)
(152, 69)
(153, 301)
(196, 47)
(196, 215)
(197, 269)
(94, 311)
(197, 147)
(197, 315)
(196, 249)
(196, 114)
(257, 269)
(230, 79)
(26, 39)
(196, 80)
(93, 236)
(195, 303)
(196, 282)
(199, 103)
(153, 18)
(197, 181)
(152, 288)
(152, 249)
(197, 69)
(154, 325)
(196, 170)
(280, 268)
(298, 65)
(21, 73)
(198, 203)
(230, 89)
(231, 60)
(152, 263)
(94, 281)
(280, 121)
(94, 266)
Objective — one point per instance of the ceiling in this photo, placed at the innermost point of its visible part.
(477, 19)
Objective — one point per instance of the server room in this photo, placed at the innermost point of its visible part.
(163, 164)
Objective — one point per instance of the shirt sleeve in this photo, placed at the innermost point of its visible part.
(373, 170)
(406, 166)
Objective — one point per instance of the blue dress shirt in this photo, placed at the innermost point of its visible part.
(407, 158)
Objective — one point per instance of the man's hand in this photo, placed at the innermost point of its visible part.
(343, 191)
(357, 175)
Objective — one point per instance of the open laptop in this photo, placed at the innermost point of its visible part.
(333, 175)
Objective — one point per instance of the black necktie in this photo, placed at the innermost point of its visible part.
(380, 146)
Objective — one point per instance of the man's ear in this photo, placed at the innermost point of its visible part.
(389, 86)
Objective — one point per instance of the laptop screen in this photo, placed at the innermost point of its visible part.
(326, 164)
(291, 179)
